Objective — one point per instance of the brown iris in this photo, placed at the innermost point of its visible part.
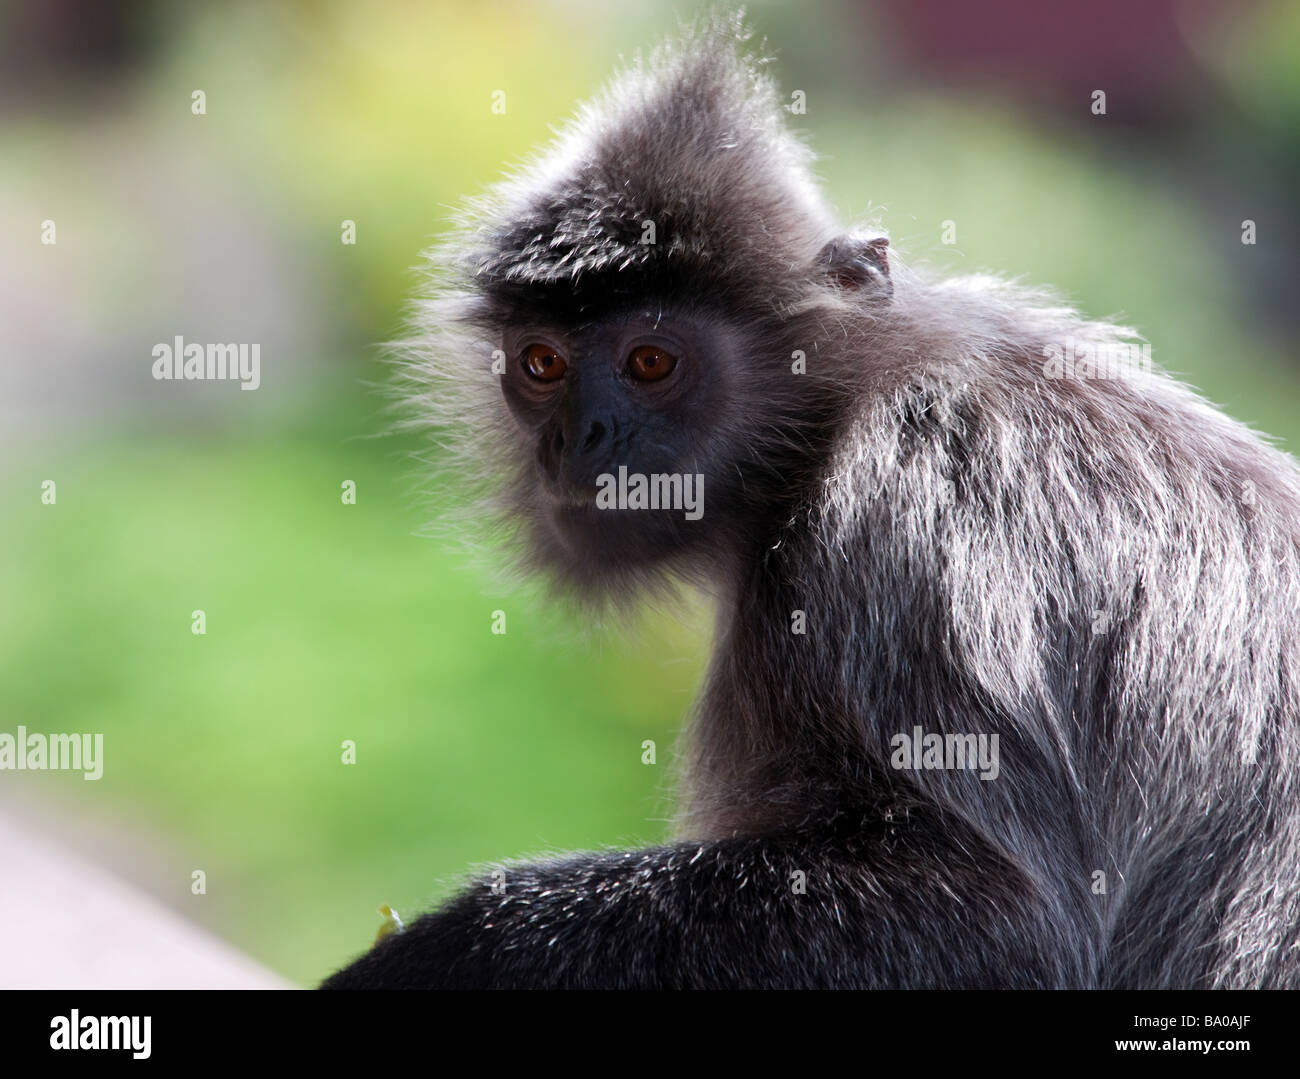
(649, 363)
(544, 363)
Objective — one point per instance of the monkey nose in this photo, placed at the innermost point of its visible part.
(587, 447)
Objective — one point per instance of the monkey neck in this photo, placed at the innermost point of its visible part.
(758, 744)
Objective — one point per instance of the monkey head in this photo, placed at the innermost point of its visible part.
(652, 291)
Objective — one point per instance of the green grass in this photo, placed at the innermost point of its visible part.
(325, 622)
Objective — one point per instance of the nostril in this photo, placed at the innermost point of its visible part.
(559, 441)
(594, 436)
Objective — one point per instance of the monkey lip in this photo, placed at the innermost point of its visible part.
(583, 497)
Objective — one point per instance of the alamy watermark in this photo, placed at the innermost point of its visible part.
(208, 363)
(112, 1032)
(635, 491)
(26, 751)
(974, 752)
(1083, 359)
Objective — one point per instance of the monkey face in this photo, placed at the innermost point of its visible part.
(621, 423)
(673, 431)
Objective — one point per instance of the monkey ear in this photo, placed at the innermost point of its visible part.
(857, 263)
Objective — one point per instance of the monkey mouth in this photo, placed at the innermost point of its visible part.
(581, 497)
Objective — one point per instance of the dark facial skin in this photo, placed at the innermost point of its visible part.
(641, 390)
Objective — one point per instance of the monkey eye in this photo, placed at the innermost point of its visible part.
(650, 363)
(543, 363)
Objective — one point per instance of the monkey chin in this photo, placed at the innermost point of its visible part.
(618, 540)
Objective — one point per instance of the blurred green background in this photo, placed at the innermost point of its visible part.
(327, 621)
